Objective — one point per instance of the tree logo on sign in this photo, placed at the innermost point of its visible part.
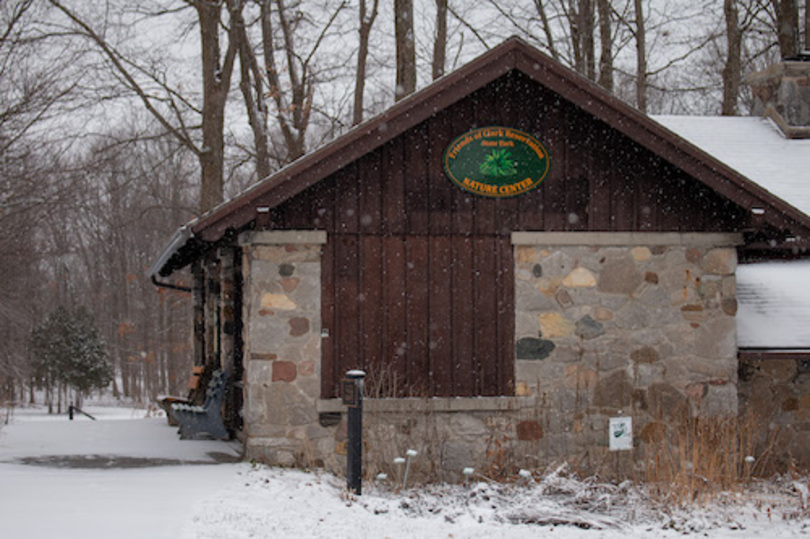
(496, 162)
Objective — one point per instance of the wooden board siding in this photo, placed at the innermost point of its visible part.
(418, 274)
(422, 315)
(599, 180)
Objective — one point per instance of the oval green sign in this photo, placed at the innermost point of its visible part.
(496, 162)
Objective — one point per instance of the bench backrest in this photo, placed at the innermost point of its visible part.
(216, 388)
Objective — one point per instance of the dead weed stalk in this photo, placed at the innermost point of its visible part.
(695, 458)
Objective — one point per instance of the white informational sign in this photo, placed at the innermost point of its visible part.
(621, 433)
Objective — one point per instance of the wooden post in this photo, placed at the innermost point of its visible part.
(212, 319)
(227, 338)
(807, 27)
(198, 306)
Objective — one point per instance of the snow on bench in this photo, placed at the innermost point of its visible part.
(204, 422)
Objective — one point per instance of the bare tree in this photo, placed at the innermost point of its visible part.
(440, 39)
(264, 79)
(586, 35)
(606, 44)
(217, 68)
(786, 14)
(406, 48)
(253, 87)
(366, 22)
(732, 75)
(168, 104)
(641, 56)
(129, 198)
(579, 15)
(541, 12)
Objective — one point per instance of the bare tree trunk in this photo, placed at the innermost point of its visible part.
(216, 83)
(440, 41)
(579, 14)
(366, 22)
(251, 85)
(575, 25)
(541, 11)
(292, 111)
(298, 83)
(586, 34)
(641, 57)
(406, 49)
(787, 26)
(606, 44)
(731, 71)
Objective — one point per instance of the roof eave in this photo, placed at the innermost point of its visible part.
(180, 238)
(512, 54)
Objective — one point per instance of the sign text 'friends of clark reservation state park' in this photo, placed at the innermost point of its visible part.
(496, 162)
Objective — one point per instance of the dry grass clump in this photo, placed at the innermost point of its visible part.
(697, 457)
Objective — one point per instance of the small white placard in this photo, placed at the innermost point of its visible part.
(620, 433)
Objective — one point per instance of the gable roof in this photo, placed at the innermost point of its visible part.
(513, 54)
(754, 147)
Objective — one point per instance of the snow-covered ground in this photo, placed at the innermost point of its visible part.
(126, 475)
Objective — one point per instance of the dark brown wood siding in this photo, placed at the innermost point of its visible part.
(422, 315)
(599, 179)
(417, 272)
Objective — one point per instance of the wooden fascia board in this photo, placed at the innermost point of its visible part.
(362, 140)
(800, 246)
(661, 141)
(773, 353)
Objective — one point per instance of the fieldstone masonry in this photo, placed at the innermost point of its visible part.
(777, 392)
(607, 324)
(623, 325)
(282, 283)
(785, 87)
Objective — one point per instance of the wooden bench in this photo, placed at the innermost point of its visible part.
(165, 402)
(204, 422)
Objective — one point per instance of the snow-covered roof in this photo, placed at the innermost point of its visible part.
(774, 305)
(754, 147)
(774, 297)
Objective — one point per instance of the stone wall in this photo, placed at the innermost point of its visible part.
(282, 313)
(776, 390)
(638, 325)
(645, 329)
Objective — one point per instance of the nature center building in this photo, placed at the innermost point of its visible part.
(513, 255)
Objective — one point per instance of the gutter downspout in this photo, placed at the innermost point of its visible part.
(169, 285)
(180, 238)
